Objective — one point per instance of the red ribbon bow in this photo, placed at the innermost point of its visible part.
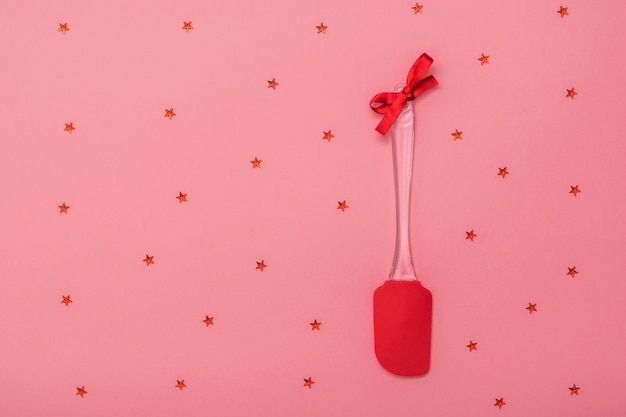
(391, 104)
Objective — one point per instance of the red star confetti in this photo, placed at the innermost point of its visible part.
(261, 265)
(457, 135)
(572, 271)
(342, 205)
(308, 382)
(81, 391)
(328, 136)
(470, 235)
(69, 127)
(315, 325)
(272, 84)
(180, 384)
(187, 26)
(574, 390)
(417, 8)
(503, 172)
(484, 59)
(574, 190)
(63, 28)
(256, 163)
(571, 93)
(169, 113)
(472, 346)
(66, 300)
(500, 402)
(531, 308)
(208, 321)
(321, 28)
(149, 260)
(63, 208)
(181, 197)
(562, 11)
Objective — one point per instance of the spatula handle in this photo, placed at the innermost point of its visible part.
(402, 136)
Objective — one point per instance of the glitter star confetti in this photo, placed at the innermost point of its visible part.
(457, 135)
(571, 93)
(342, 205)
(69, 127)
(308, 382)
(81, 391)
(572, 271)
(531, 307)
(562, 11)
(63, 28)
(503, 172)
(328, 136)
(574, 390)
(321, 28)
(180, 384)
(417, 8)
(187, 26)
(315, 325)
(484, 59)
(472, 346)
(208, 321)
(66, 300)
(470, 235)
(169, 113)
(500, 403)
(63, 208)
(261, 265)
(256, 163)
(149, 260)
(181, 197)
(272, 84)
(574, 190)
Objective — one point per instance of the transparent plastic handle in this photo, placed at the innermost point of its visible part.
(402, 137)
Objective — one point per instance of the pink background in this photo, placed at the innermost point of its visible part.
(133, 330)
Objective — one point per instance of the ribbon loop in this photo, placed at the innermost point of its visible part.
(391, 104)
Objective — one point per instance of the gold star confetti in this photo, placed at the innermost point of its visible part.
(499, 402)
(180, 384)
(328, 136)
(66, 300)
(256, 163)
(63, 28)
(187, 26)
(69, 127)
(531, 308)
(562, 11)
(149, 260)
(321, 28)
(169, 113)
(571, 93)
(315, 325)
(261, 265)
(574, 390)
(208, 321)
(484, 59)
(63, 208)
(81, 391)
(472, 346)
(457, 135)
(470, 235)
(503, 172)
(417, 8)
(272, 84)
(572, 271)
(308, 382)
(181, 197)
(342, 205)
(574, 190)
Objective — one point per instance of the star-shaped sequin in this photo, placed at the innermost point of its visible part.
(417, 8)
(187, 26)
(574, 390)
(572, 271)
(321, 28)
(342, 205)
(66, 300)
(180, 384)
(571, 93)
(472, 346)
(503, 172)
(328, 136)
(261, 265)
(484, 59)
(69, 127)
(208, 321)
(63, 28)
(272, 84)
(308, 382)
(315, 325)
(574, 190)
(470, 235)
(256, 163)
(149, 260)
(562, 11)
(81, 391)
(63, 208)
(181, 197)
(500, 403)
(456, 134)
(169, 113)
(531, 307)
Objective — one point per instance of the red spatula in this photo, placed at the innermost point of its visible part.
(402, 306)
